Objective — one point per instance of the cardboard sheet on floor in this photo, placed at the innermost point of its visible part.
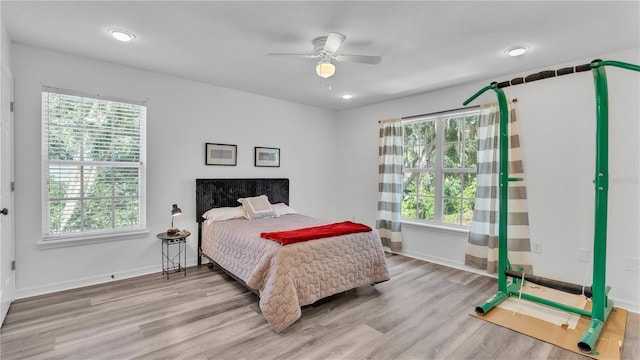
(558, 327)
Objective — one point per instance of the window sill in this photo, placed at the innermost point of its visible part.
(56, 242)
(441, 228)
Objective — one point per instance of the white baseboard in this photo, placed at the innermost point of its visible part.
(22, 293)
(627, 305)
(620, 303)
(442, 261)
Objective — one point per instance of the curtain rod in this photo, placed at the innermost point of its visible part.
(443, 112)
(439, 112)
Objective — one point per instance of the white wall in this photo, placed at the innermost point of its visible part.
(557, 125)
(182, 116)
(5, 48)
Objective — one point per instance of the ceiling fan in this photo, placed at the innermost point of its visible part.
(325, 48)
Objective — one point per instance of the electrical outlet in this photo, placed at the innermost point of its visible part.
(536, 247)
(584, 255)
(631, 264)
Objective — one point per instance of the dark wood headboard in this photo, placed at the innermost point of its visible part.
(212, 193)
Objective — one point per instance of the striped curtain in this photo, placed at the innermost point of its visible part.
(482, 245)
(390, 189)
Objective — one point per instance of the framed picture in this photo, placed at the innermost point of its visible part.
(221, 154)
(267, 157)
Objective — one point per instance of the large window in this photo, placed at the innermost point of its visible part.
(440, 155)
(93, 165)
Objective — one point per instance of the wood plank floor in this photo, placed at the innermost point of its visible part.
(422, 313)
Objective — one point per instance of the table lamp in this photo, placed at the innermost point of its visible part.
(175, 211)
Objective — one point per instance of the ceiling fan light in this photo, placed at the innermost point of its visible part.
(325, 69)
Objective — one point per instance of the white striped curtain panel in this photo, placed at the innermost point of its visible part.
(482, 245)
(389, 220)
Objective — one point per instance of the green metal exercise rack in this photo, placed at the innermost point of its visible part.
(601, 305)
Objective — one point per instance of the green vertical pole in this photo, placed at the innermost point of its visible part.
(601, 194)
(503, 200)
(503, 180)
(600, 307)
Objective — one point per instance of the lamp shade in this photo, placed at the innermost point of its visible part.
(175, 211)
(325, 69)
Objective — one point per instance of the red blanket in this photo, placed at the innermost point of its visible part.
(315, 232)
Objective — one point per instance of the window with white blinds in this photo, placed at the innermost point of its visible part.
(93, 165)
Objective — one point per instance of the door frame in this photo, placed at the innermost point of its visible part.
(7, 234)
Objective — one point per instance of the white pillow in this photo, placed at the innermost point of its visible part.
(257, 207)
(224, 213)
(283, 209)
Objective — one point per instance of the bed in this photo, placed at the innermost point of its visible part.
(285, 277)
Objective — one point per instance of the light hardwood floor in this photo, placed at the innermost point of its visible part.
(421, 313)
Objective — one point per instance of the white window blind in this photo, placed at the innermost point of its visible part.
(93, 165)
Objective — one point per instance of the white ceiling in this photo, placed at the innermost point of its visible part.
(425, 45)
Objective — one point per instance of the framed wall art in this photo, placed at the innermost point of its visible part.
(269, 157)
(221, 154)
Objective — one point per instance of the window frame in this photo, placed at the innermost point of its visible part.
(51, 239)
(439, 170)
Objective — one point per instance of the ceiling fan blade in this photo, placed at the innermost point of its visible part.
(334, 41)
(305, 56)
(362, 59)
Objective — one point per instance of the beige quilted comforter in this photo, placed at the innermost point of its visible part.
(295, 275)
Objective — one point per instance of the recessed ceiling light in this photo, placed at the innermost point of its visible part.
(347, 95)
(120, 34)
(517, 50)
